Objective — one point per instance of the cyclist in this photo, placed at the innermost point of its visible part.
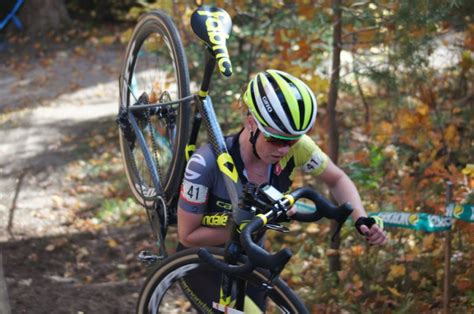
(269, 148)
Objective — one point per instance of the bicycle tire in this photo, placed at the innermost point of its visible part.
(164, 279)
(155, 36)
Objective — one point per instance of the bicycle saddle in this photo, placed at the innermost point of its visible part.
(213, 26)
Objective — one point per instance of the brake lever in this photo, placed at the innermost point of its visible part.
(277, 227)
(347, 209)
(338, 229)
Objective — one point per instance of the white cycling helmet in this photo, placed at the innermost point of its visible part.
(281, 101)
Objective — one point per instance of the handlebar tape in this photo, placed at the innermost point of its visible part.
(324, 208)
(257, 254)
(207, 257)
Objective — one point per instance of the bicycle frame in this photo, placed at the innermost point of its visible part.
(216, 53)
(226, 165)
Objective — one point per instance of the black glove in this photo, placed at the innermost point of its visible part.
(367, 221)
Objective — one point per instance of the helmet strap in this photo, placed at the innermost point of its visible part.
(253, 140)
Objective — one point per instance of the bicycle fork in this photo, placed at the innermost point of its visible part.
(233, 291)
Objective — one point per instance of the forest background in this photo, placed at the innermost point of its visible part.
(398, 119)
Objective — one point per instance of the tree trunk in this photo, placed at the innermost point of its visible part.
(334, 259)
(362, 96)
(42, 16)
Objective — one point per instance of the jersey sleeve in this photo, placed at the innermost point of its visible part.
(310, 157)
(197, 182)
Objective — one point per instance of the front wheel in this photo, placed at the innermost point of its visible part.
(166, 291)
(155, 71)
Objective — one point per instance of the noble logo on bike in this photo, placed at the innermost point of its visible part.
(226, 165)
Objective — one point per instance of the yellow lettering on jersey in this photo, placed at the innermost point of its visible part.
(219, 220)
(224, 205)
(224, 159)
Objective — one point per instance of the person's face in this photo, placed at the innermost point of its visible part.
(270, 148)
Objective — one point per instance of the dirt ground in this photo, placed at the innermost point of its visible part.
(52, 90)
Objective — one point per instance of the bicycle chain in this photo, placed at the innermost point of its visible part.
(149, 209)
(143, 98)
(162, 99)
(140, 182)
(155, 147)
(129, 133)
(158, 169)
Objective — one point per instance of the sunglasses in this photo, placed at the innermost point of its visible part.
(279, 141)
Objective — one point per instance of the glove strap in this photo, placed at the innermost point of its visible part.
(366, 221)
(369, 222)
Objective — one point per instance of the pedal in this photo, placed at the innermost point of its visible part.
(148, 258)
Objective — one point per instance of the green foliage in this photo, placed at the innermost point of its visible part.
(368, 174)
(405, 276)
(117, 212)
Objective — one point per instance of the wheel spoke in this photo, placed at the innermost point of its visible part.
(154, 71)
(150, 79)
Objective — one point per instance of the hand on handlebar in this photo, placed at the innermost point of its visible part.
(325, 209)
(291, 211)
(372, 229)
(275, 205)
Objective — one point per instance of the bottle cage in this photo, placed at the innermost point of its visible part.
(213, 26)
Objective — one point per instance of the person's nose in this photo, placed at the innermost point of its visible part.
(283, 149)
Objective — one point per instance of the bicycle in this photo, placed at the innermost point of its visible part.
(161, 111)
(155, 112)
(243, 261)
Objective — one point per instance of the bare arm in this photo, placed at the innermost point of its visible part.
(192, 234)
(343, 190)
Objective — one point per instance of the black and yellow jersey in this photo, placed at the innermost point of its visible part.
(203, 189)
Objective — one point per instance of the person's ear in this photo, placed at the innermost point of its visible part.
(251, 123)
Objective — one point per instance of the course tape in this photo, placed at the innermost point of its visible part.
(417, 221)
(462, 212)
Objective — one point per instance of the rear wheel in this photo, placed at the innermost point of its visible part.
(155, 71)
(164, 292)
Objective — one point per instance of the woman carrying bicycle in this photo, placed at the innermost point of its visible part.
(270, 147)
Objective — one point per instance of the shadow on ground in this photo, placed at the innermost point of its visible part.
(74, 144)
(37, 71)
(92, 272)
